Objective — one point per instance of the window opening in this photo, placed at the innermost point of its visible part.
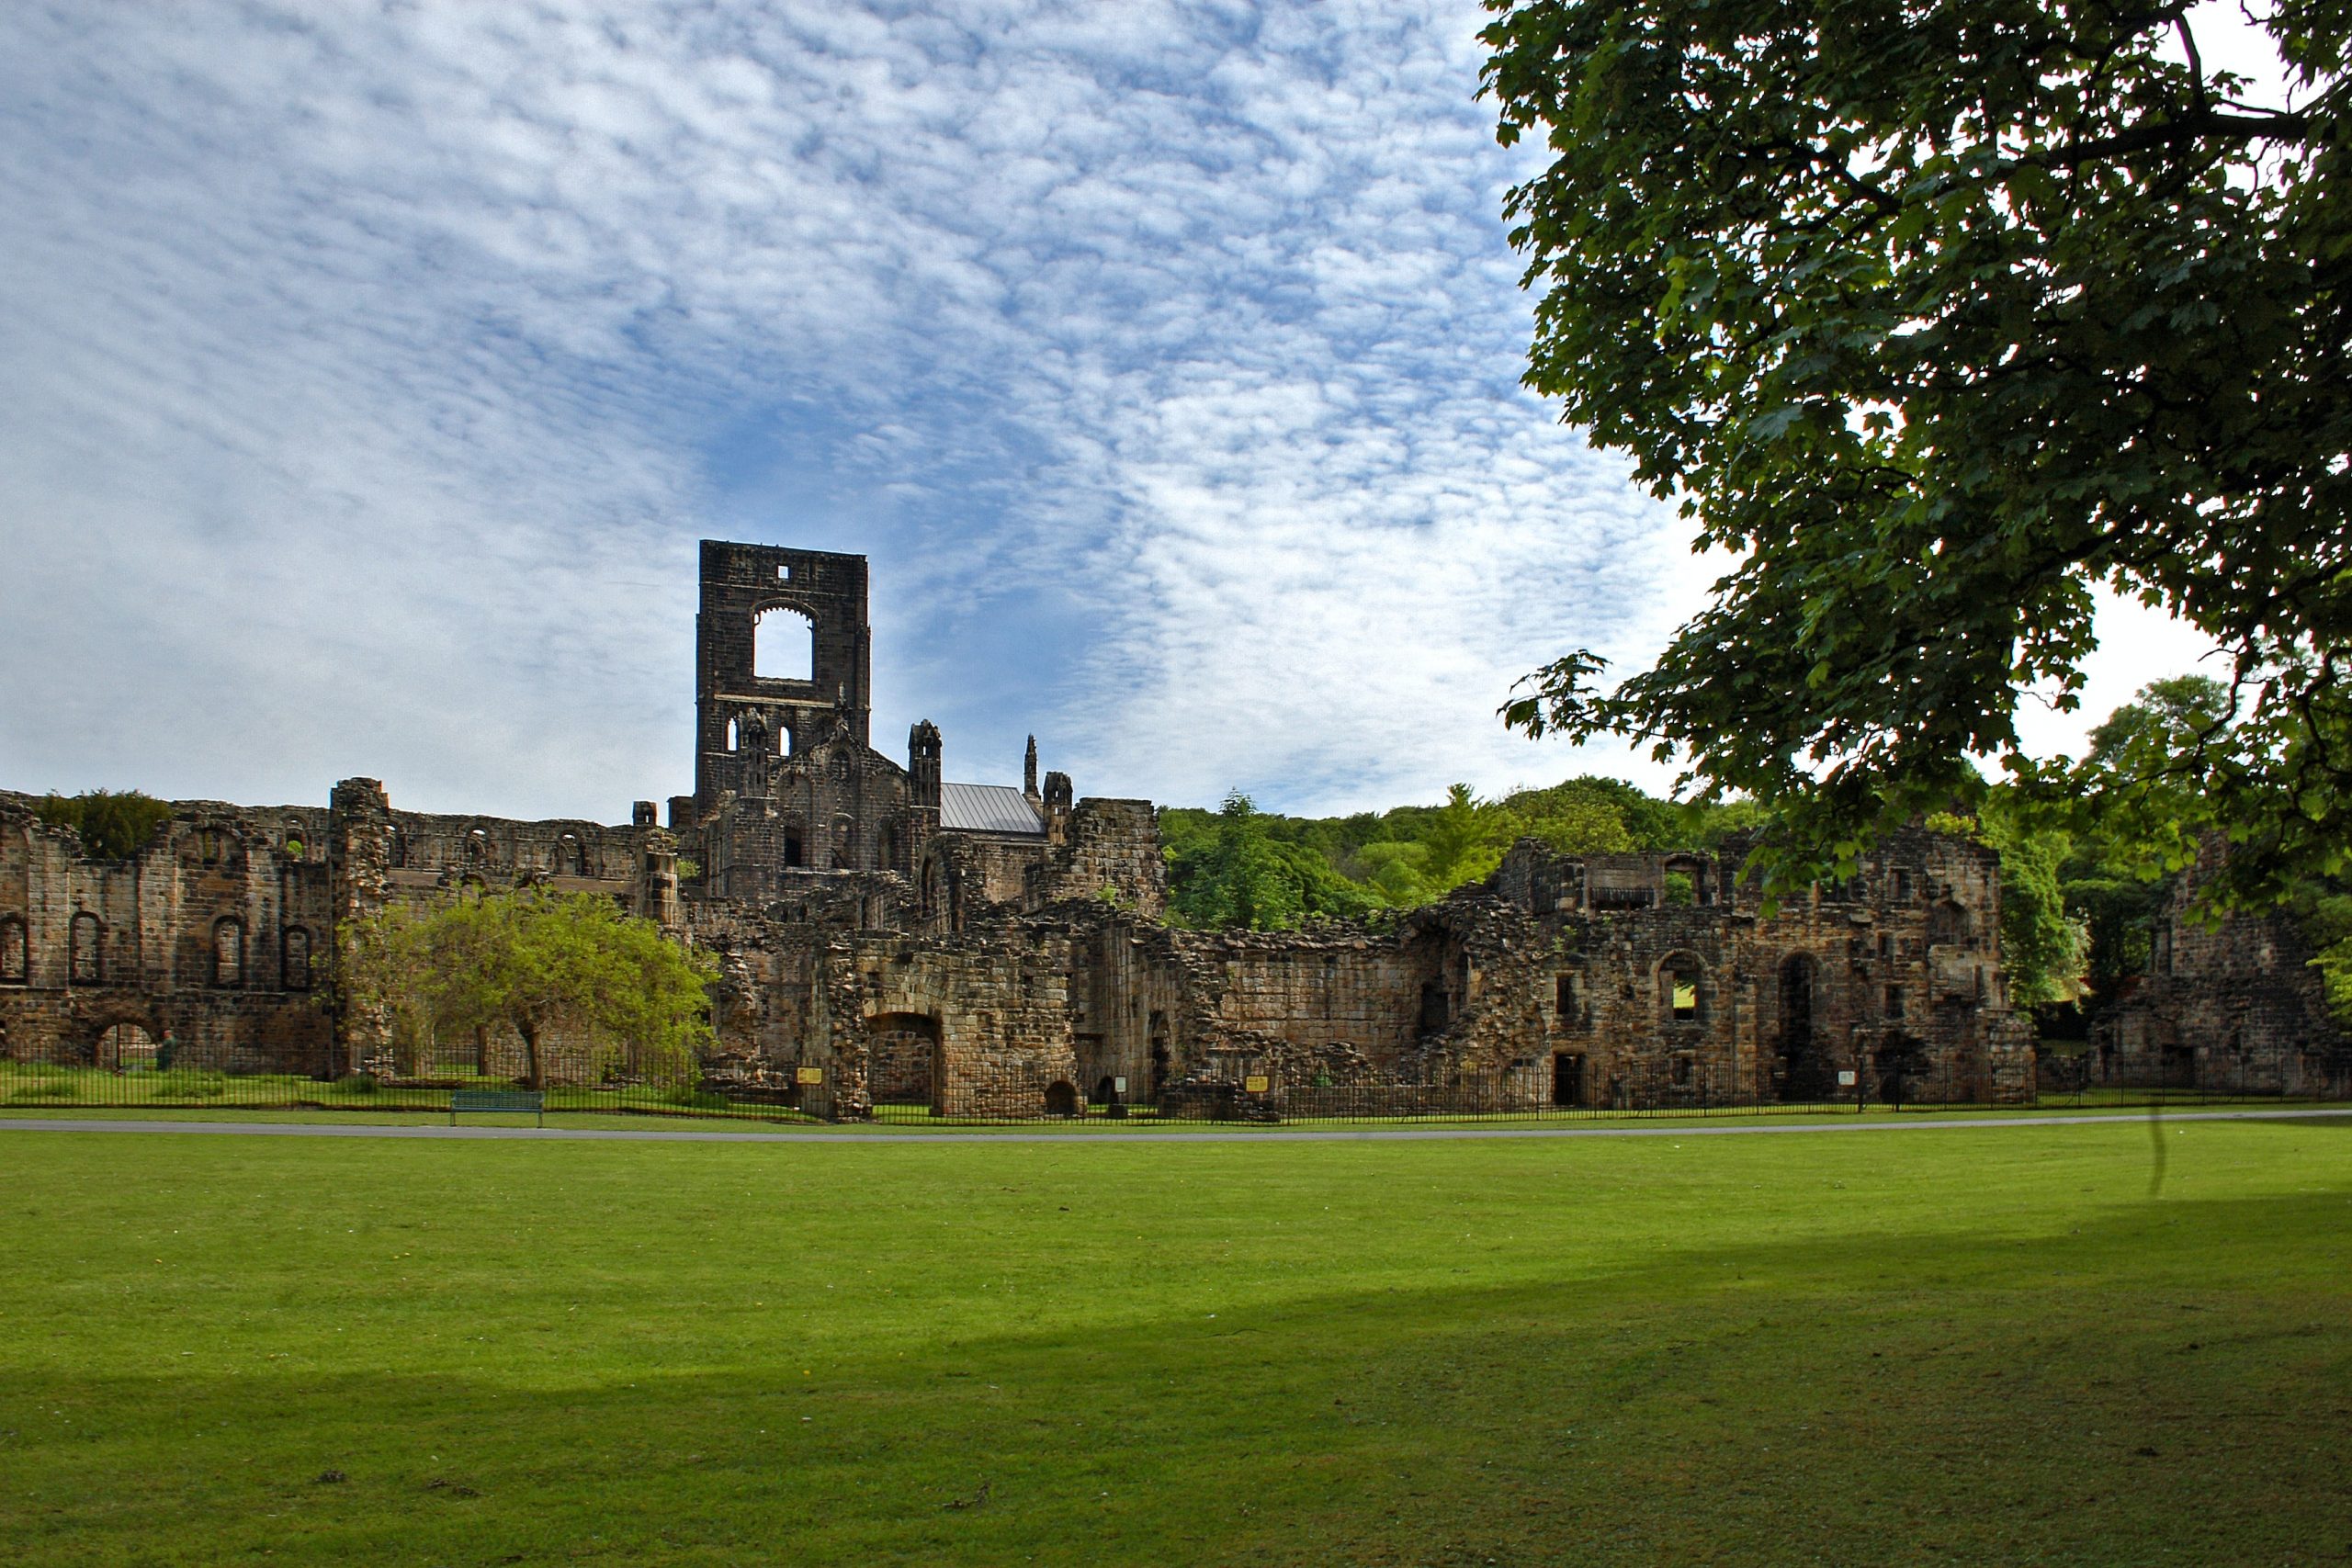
(83, 942)
(1679, 979)
(298, 959)
(15, 960)
(229, 953)
(783, 646)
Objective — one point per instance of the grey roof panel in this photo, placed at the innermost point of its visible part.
(988, 809)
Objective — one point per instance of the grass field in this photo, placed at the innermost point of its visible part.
(1989, 1346)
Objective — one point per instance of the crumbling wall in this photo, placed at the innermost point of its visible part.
(213, 938)
(1109, 849)
(2232, 1005)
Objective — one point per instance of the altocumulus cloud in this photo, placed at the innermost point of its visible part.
(372, 371)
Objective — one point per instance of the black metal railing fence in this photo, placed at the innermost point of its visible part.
(40, 1087)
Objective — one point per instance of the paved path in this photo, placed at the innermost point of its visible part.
(1278, 1136)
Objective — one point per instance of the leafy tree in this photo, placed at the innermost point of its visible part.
(535, 960)
(1934, 314)
(2144, 783)
(114, 824)
(1236, 874)
(2043, 944)
(2326, 916)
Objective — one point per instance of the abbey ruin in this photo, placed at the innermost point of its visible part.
(887, 936)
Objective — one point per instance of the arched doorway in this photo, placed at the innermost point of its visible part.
(1900, 1062)
(129, 1048)
(1804, 1071)
(1061, 1099)
(902, 1060)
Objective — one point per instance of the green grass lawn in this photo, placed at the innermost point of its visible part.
(1983, 1346)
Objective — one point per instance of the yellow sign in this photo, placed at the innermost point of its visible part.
(809, 1075)
(1256, 1083)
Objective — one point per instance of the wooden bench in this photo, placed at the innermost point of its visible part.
(515, 1099)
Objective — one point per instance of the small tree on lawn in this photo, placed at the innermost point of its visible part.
(534, 960)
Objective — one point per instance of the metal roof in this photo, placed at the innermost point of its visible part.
(989, 808)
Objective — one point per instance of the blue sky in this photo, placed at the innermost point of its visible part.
(372, 372)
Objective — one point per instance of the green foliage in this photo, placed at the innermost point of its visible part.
(2325, 914)
(1296, 869)
(114, 824)
(1933, 317)
(1232, 873)
(534, 960)
(2043, 946)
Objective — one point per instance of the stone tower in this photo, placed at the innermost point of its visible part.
(806, 608)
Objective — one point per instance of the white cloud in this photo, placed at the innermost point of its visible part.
(374, 370)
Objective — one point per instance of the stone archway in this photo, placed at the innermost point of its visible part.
(103, 1034)
(129, 1048)
(904, 1062)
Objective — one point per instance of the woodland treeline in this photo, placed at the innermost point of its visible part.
(2084, 874)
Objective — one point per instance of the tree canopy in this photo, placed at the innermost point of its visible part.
(1933, 315)
(1240, 867)
(535, 960)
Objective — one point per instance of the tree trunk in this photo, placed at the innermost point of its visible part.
(533, 1076)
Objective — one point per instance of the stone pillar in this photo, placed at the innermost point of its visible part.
(657, 879)
(1057, 808)
(360, 858)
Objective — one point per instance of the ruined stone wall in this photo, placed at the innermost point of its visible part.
(1341, 1003)
(1893, 977)
(843, 807)
(965, 874)
(1110, 849)
(998, 996)
(214, 934)
(2233, 1005)
(502, 852)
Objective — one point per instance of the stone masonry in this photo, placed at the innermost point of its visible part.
(986, 950)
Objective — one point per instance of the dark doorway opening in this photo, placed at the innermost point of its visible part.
(903, 1064)
(1061, 1099)
(1568, 1079)
(1804, 1072)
